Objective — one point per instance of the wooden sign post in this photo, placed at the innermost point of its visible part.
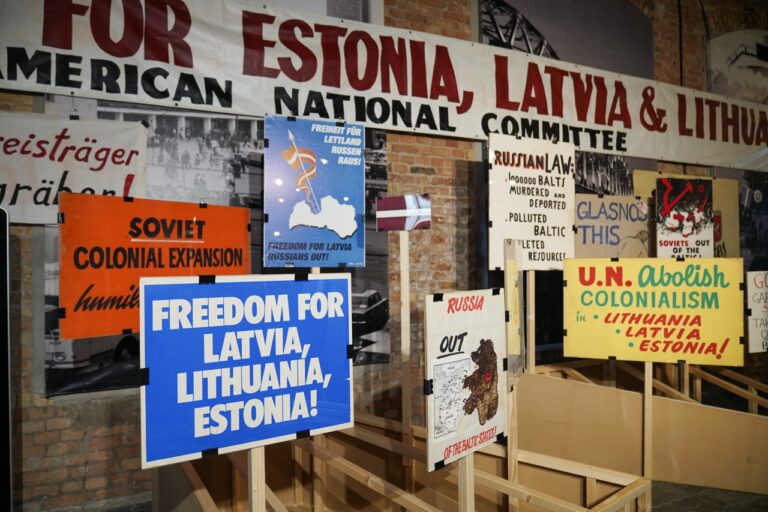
(467, 483)
(530, 321)
(403, 214)
(405, 353)
(257, 484)
(648, 426)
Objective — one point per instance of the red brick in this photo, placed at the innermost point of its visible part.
(98, 431)
(41, 477)
(132, 463)
(132, 450)
(46, 437)
(72, 486)
(63, 448)
(96, 483)
(33, 426)
(65, 500)
(32, 492)
(97, 468)
(58, 423)
(75, 459)
(72, 435)
(100, 443)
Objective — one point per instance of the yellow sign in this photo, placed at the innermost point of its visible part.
(655, 310)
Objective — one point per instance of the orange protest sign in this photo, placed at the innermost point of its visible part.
(108, 243)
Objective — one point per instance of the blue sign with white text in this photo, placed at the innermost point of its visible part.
(314, 193)
(243, 362)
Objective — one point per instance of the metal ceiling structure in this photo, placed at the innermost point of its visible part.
(503, 25)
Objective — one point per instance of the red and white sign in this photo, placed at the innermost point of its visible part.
(42, 156)
(403, 213)
(466, 387)
(239, 57)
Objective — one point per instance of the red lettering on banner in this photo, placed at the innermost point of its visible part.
(150, 28)
(747, 128)
(762, 130)
(723, 121)
(418, 69)
(57, 22)
(502, 84)
(329, 42)
(158, 37)
(619, 110)
(254, 44)
(534, 95)
(682, 129)
(394, 61)
(581, 94)
(556, 86)
(133, 30)
(600, 99)
(352, 57)
(699, 117)
(382, 57)
(589, 92)
(308, 66)
(712, 106)
(443, 77)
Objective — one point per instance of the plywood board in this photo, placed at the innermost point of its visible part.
(581, 422)
(692, 444)
(708, 446)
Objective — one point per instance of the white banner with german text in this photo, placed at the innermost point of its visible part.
(41, 156)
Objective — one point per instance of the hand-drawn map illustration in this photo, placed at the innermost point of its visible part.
(448, 395)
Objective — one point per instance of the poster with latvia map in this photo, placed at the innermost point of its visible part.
(314, 190)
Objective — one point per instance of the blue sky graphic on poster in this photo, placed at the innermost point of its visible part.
(247, 361)
(314, 189)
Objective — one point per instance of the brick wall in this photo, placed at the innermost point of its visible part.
(733, 15)
(440, 258)
(74, 451)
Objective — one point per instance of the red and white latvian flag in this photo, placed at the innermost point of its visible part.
(403, 213)
(302, 160)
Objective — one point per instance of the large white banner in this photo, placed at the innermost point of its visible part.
(530, 200)
(42, 156)
(466, 381)
(242, 58)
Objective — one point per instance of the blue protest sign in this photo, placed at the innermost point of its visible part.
(243, 362)
(314, 188)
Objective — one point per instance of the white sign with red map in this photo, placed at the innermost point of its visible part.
(466, 383)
